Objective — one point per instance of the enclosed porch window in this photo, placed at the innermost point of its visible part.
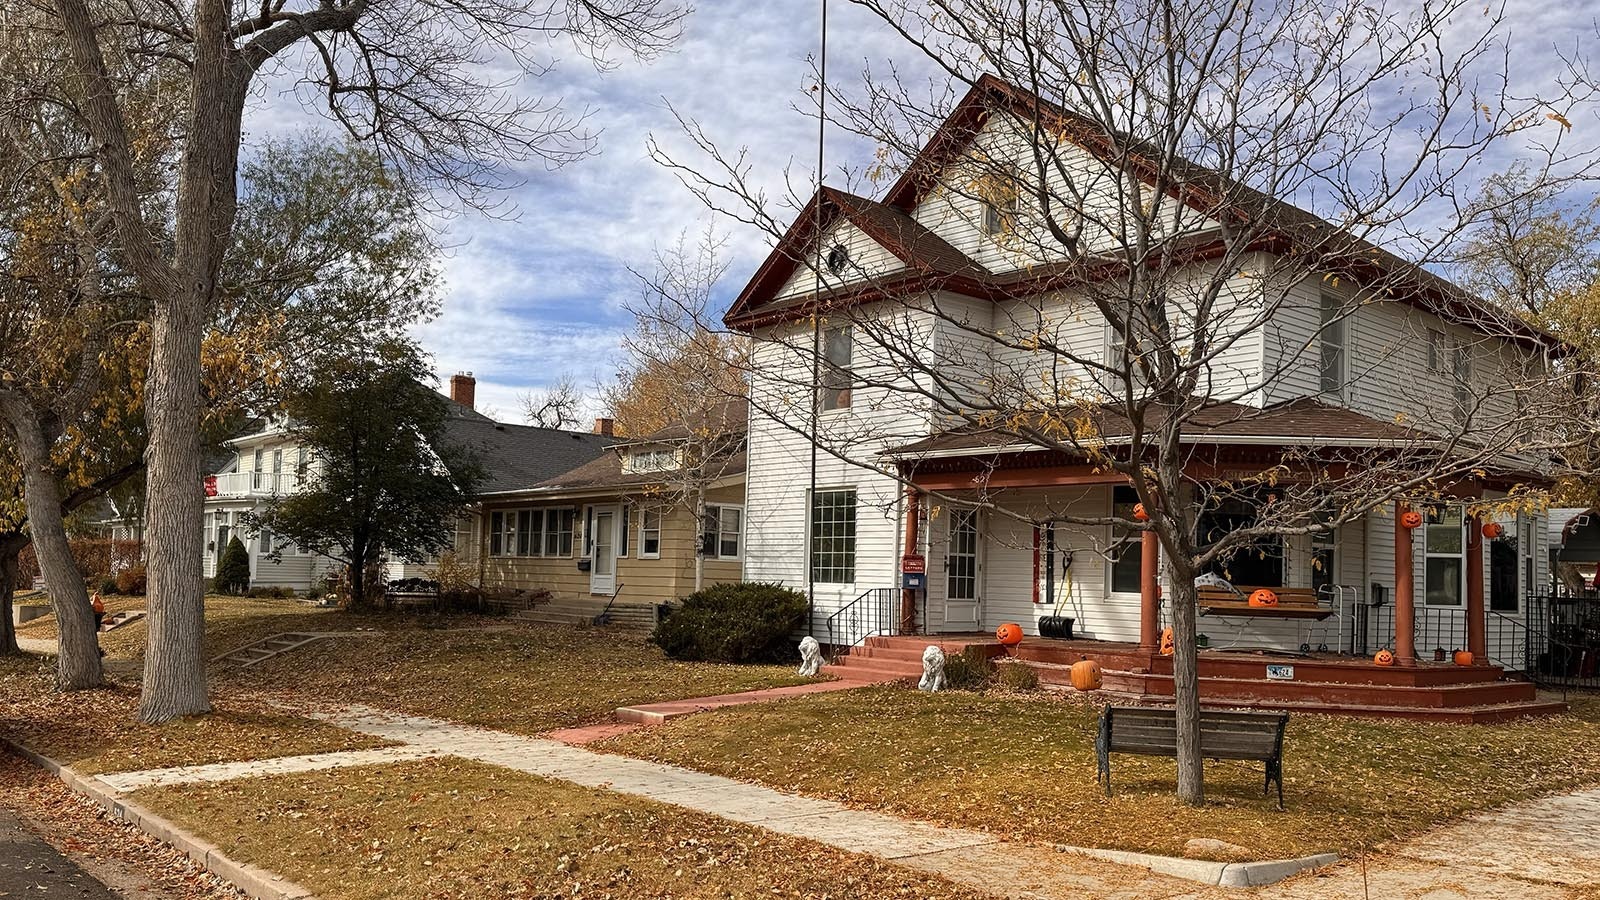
(1258, 564)
(1444, 551)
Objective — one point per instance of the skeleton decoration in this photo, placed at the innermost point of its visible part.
(810, 656)
(1213, 580)
(932, 670)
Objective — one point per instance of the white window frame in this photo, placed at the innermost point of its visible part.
(257, 460)
(1460, 557)
(836, 387)
(1333, 336)
(854, 538)
(646, 513)
(1116, 536)
(722, 532)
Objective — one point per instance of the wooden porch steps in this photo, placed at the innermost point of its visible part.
(583, 611)
(893, 658)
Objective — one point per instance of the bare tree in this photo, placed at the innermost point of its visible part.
(682, 384)
(412, 78)
(1126, 287)
(555, 406)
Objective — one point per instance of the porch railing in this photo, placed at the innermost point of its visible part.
(1445, 628)
(1552, 640)
(876, 611)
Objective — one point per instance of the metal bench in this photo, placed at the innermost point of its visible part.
(1150, 731)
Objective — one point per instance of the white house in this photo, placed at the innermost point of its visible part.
(931, 274)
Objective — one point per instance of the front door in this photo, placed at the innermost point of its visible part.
(961, 594)
(603, 552)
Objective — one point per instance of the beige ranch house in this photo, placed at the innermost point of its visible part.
(620, 535)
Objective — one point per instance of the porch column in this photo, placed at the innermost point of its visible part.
(1405, 610)
(908, 598)
(1149, 591)
(1477, 638)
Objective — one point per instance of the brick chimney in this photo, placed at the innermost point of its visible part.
(463, 388)
(605, 427)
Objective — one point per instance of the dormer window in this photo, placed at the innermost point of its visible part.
(643, 461)
(1002, 201)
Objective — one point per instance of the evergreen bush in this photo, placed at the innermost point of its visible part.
(740, 622)
(233, 570)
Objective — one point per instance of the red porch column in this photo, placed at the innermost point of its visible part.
(1477, 637)
(1405, 610)
(1149, 591)
(908, 598)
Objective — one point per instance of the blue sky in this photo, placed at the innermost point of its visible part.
(540, 295)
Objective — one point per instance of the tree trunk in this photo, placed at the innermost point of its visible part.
(174, 671)
(10, 567)
(1186, 680)
(356, 575)
(699, 537)
(78, 656)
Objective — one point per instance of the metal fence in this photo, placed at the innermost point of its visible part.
(1552, 640)
(1564, 641)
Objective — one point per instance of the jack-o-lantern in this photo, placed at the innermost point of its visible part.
(1086, 675)
(1263, 597)
(1167, 646)
(1383, 658)
(1009, 634)
(1140, 514)
(1492, 530)
(1411, 519)
(1462, 657)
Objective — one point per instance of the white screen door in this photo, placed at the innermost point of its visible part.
(603, 558)
(961, 600)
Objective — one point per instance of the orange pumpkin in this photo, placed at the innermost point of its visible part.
(1167, 644)
(1086, 675)
(1463, 657)
(1140, 514)
(1383, 658)
(1263, 597)
(1492, 530)
(1411, 519)
(1009, 634)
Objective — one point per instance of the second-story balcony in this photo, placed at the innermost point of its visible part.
(251, 484)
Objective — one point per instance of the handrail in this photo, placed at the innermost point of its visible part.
(876, 611)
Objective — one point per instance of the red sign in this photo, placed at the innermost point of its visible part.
(913, 564)
(211, 485)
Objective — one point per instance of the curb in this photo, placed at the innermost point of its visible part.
(252, 880)
(1222, 874)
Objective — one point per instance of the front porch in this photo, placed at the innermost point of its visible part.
(1303, 682)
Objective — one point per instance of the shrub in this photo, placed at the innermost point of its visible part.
(270, 593)
(108, 586)
(96, 558)
(740, 622)
(969, 670)
(130, 581)
(1015, 676)
(233, 570)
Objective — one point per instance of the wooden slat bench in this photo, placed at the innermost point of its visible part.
(1293, 603)
(1150, 731)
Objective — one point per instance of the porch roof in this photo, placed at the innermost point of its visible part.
(1300, 422)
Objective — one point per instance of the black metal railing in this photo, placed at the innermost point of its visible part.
(1441, 630)
(1563, 641)
(876, 611)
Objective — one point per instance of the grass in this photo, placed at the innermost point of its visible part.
(95, 732)
(1024, 765)
(453, 828)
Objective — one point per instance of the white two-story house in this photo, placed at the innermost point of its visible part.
(880, 325)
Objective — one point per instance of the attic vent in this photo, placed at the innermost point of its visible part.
(838, 259)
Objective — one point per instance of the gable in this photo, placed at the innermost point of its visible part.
(867, 260)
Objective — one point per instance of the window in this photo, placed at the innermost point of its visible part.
(258, 469)
(1324, 562)
(1461, 375)
(497, 532)
(838, 259)
(651, 461)
(1333, 345)
(265, 538)
(833, 537)
(558, 531)
(1257, 564)
(626, 518)
(1443, 549)
(528, 529)
(1002, 201)
(836, 374)
(1127, 549)
(650, 533)
(719, 533)
(1504, 558)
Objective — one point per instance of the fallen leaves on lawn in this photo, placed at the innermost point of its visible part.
(457, 829)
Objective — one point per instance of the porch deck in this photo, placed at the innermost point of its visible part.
(1303, 682)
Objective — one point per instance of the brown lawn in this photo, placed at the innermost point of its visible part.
(454, 828)
(1024, 765)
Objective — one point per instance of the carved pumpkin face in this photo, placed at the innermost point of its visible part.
(1140, 514)
(1492, 530)
(1086, 675)
(1009, 634)
(1384, 658)
(1411, 519)
(1263, 597)
(1167, 646)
